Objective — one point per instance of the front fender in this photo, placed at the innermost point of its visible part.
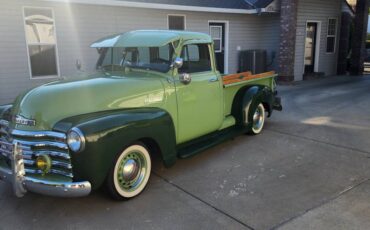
(108, 133)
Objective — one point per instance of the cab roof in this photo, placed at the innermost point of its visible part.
(149, 38)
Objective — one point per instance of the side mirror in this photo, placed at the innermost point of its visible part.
(177, 63)
(185, 78)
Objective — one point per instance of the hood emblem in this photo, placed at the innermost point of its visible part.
(20, 120)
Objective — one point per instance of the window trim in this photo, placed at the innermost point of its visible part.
(226, 55)
(208, 45)
(318, 45)
(335, 36)
(178, 15)
(27, 44)
(220, 39)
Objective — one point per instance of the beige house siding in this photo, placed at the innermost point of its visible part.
(79, 25)
(316, 10)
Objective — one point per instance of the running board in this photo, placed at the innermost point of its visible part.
(201, 144)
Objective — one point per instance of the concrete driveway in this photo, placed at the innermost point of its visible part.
(309, 169)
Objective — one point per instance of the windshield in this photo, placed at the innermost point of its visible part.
(150, 58)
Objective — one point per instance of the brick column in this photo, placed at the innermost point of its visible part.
(344, 43)
(288, 29)
(359, 37)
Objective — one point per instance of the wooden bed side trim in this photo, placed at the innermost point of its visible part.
(245, 76)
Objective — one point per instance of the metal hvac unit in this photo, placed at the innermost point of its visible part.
(253, 60)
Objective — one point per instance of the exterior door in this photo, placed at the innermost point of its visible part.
(310, 47)
(217, 32)
(199, 102)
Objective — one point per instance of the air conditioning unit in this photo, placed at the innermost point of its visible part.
(253, 60)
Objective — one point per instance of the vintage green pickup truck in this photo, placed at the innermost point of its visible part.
(155, 92)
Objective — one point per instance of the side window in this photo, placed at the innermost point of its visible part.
(194, 54)
(165, 53)
(196, 58)
(143, 55)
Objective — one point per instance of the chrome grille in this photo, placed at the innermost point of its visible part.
(34, 144)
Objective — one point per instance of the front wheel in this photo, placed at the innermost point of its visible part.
(257, 118)
(130, 173)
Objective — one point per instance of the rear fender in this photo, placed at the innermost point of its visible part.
(107, 134)
(250, 97)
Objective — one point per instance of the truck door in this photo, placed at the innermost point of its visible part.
(200, 101)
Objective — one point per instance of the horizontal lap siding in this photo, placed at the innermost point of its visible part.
(270, 38)
(317, 10)
(77, 26)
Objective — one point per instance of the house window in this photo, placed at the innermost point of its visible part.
(332, 35)
(176, 22)
(41, 42)
(216, 34)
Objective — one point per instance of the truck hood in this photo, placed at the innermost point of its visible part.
(48, 104)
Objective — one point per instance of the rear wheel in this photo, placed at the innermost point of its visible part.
(130, 173)
(256, 118)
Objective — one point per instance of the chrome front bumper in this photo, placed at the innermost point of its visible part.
(22, 183)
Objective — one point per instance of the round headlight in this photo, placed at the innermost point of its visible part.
(76, 140)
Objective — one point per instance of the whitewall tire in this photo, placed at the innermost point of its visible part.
(130, 173)
(257, 119)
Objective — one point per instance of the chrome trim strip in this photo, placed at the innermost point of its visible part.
(27, 157)
(4, 123)
(3, 131)
(27, 144)
(49, 188)
(65, 156)
(29, 162)
(62, 146)
(53, 163)
(5, 153)
(6, 143)
(52, 171)
(39, 134)
(61, 164)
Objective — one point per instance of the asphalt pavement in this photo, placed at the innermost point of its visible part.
(309, 169)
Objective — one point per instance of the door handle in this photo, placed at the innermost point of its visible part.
(214, 79)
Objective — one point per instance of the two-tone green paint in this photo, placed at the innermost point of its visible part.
(108, 133)
(115, 109)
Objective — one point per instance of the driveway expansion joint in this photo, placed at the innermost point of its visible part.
(204, 202)
(338, 195)
(359, 151)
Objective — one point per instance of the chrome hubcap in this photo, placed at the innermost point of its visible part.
(132, 171)
(258, 118)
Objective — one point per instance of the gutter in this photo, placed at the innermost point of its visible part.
(158, 6)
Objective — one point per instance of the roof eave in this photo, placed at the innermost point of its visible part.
(159, 6)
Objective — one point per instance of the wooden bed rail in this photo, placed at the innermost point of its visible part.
(245, 76)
